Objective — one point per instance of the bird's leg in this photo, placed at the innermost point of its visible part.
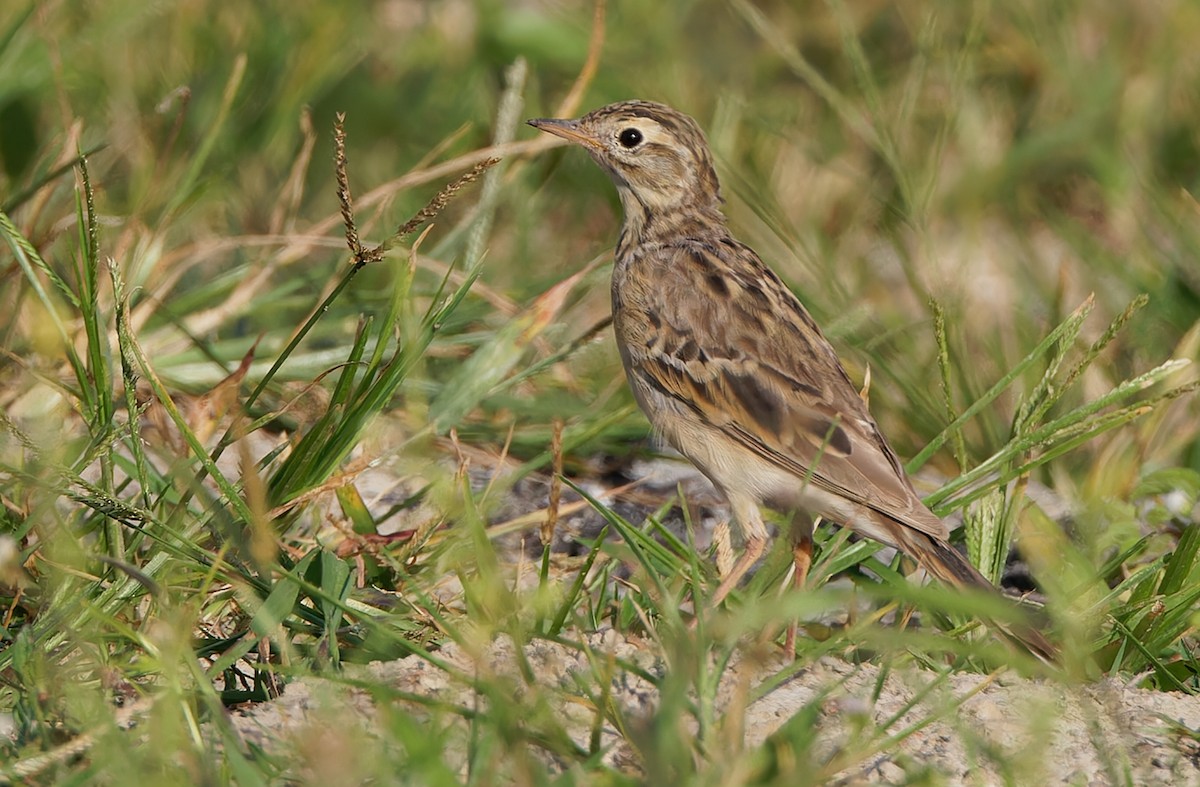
(723, 548)
(752, 552)
(749, 519)
(802, 549)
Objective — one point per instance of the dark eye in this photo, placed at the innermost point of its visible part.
(630, 138)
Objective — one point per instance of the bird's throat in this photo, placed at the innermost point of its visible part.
(649, 223)
(637, 216)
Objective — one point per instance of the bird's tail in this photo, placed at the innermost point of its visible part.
(949, 566)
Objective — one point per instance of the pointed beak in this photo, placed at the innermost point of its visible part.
(567, 129)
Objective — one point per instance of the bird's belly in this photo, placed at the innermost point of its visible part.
(733, 467)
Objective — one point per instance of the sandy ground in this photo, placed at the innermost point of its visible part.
(983, 730)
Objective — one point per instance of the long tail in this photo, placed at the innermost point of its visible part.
(943, 562)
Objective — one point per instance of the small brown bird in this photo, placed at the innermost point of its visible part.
(729, 366)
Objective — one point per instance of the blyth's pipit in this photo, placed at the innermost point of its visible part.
(729, 366)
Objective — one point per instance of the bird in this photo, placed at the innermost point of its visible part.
(731, 369)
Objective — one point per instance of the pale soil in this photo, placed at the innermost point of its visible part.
(1006, 730)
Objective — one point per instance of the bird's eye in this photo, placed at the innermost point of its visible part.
(630, 138)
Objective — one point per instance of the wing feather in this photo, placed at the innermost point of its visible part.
(786, 398)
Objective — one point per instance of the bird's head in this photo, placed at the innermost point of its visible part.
(657, 156)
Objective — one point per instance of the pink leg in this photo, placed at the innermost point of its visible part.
(802, 549)
(749, 519)
(753, 551)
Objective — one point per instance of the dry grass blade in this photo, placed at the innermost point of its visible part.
(548, 527)
(570, 103)
(293, 189)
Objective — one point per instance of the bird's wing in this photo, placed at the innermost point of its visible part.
(730, 341)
